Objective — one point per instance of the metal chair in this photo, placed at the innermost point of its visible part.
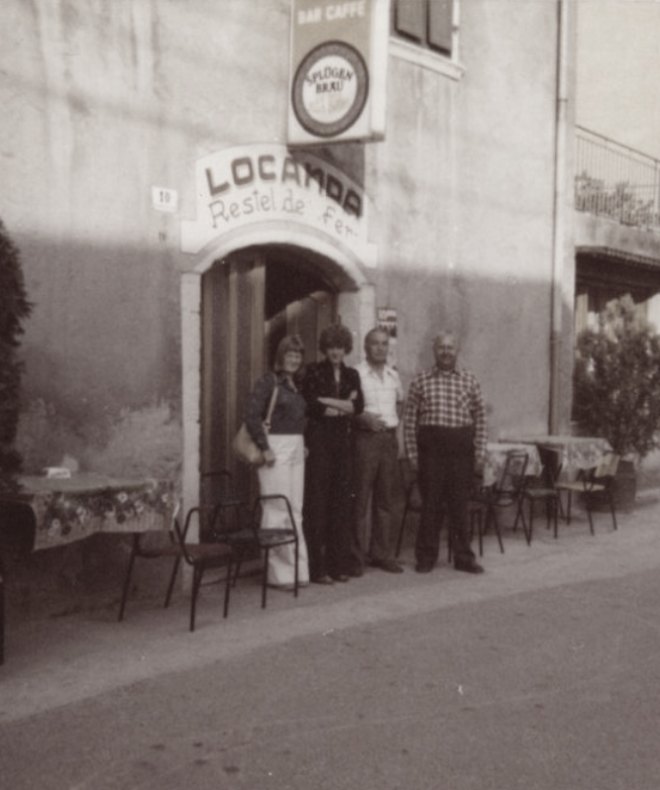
(220, 499)
(591, 482)
(504, 493)
(245, 540)
(199, 556)
(543, 489)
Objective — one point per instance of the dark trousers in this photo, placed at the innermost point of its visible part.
(376, 473)
(327, 504)
(446, 469)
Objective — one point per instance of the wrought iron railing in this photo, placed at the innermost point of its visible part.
(616, 181)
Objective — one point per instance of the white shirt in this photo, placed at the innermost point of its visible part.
(381, 393)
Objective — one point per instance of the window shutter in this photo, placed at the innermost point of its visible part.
(440, 24)
(410, 18)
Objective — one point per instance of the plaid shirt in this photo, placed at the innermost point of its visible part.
(448, 399)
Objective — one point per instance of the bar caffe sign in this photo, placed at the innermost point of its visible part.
(338, 68)
(252, 184)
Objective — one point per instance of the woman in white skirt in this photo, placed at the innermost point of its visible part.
(283, 447)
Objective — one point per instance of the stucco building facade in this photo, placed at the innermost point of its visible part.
(131, 129)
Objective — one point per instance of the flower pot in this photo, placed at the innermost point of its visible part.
(624, 490)
(624, 487)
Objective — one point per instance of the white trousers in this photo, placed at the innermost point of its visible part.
(286, 476)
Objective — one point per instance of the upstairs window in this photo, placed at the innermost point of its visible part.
(426, 23)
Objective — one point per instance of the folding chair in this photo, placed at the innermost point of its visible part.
(590, 482)
(263, 539)
(504, 493)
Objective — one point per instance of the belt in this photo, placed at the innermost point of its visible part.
(384, 430)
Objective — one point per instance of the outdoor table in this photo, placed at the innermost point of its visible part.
(574, 453)
(71, 509)
(64, 510)
(496, 455)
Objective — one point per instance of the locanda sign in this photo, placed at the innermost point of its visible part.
(251, 184)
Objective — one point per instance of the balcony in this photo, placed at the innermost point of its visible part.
(616, 182)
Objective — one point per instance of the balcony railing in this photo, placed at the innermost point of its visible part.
(615, 181)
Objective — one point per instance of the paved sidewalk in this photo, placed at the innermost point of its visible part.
(51, 663)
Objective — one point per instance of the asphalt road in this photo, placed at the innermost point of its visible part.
(553, 688)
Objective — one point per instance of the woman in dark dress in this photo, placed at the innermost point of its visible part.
(334, 395)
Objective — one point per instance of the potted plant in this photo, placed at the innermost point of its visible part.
(14, 307)
(617, 388)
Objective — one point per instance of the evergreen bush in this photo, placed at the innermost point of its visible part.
(14, 308)
(617, 380)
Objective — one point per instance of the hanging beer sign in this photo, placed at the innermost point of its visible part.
(338, 70)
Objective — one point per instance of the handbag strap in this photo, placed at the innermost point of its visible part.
(271, 405)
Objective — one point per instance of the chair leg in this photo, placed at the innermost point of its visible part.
(197, 583)
(295, 571)
(568, 506)
(228, 581)
(518, 515)
(587, 505)
(264, 583)
(611, 500)
(170, 586)
(560, 507)
(528, 530)
(127, 579)
(399, 542)
(496, 525)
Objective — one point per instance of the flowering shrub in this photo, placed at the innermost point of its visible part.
(623, 202)
(617, 380)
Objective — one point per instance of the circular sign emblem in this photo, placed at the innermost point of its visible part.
(330, 89)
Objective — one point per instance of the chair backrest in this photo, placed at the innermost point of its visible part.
(181, 534)
(512, 478)
(257, 512)
(608, 466)
(223, 509)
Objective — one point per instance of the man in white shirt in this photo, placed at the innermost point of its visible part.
(376, 457)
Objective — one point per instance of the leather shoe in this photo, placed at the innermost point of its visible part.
(391, 566)
(322, 580)
(340, 577)
(356, 571)
(424, 567)
(469, 566)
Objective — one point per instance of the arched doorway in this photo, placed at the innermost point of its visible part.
(250, 299)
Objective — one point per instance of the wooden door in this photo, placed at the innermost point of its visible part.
(232, 358)
(249, 302)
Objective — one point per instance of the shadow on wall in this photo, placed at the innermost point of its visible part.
(137, 442)
(102, 358)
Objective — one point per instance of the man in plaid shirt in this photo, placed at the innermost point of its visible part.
(445, 439)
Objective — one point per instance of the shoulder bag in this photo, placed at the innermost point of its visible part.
(244, 446)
